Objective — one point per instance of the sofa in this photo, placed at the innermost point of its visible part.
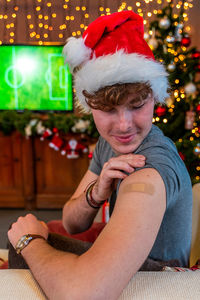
(20, 285)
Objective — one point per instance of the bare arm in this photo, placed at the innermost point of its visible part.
(77, 214)
(121, 248)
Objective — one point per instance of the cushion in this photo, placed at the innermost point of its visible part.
(89, 235)
(20, 284)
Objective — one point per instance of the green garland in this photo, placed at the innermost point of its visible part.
(11, 121)
(14, 121)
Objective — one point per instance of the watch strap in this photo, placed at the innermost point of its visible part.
(25, 240)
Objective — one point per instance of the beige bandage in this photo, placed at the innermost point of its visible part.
(139, 187)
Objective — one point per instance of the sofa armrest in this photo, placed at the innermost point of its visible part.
(19, 285)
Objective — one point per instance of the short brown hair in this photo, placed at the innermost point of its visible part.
(110, 96)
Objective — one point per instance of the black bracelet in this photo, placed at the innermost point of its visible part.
(92, 203)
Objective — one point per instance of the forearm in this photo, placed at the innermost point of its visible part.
(78, 216)
(63, 275)
(54, 270)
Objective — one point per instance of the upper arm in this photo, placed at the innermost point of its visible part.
(126, 241)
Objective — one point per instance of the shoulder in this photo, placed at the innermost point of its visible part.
(159, 149)
(162, 155)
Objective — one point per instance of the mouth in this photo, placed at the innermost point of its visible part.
(124, 139)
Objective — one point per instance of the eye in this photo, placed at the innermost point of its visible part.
(135, 107)
(139, 106)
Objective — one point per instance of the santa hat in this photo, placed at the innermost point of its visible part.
(112, 50)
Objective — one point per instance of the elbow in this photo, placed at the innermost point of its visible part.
(73, 229)
(69, 227)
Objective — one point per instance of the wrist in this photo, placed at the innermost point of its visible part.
(94, 203)
(25, 240)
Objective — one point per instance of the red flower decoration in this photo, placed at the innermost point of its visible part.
(186, 41)
(160, 111)
(196, 55)
(198, 109)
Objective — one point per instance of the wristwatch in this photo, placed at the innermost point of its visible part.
(25, 240)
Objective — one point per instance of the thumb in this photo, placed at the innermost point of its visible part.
(44, 224)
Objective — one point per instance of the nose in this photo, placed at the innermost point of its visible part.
(125, 120)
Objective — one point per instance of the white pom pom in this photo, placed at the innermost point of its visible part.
(75, 52)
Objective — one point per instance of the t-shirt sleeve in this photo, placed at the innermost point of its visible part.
(102, 153)
(95, 165)
(166, 160)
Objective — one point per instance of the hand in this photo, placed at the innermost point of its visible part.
(112, 170)
(27, 225)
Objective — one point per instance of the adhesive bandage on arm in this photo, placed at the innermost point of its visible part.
(140, 187)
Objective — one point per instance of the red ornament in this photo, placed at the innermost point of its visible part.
(73, 149)
(46, 134)
(182, 156)
(56, 142)
(186, 41)
(196, 55)
(160, 111)
(90, 154)
(198, 109)
(55, 130)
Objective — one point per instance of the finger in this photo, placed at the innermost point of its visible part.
(113, 174)
(130, 156)
(135, 160)
(119, 165)
(136, 163)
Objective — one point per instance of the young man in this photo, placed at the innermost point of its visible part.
(134, 165)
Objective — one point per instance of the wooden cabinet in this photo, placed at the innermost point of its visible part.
(32, 175)
(56, 175)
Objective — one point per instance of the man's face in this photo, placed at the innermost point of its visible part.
(125, 126)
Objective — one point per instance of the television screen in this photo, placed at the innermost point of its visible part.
(34, 78)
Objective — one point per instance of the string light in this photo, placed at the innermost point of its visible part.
(48, 11)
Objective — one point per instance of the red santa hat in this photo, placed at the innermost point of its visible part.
(113, 50)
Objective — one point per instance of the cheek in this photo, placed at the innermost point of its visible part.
(143, 118)
(102, 123)
(148, 112)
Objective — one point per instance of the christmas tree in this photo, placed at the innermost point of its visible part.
(180, 119)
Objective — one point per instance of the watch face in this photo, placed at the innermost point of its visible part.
(23, 242)
(27, 240)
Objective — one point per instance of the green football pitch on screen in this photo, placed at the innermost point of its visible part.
(34, 78)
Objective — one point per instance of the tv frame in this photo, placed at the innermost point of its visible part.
(42, 111)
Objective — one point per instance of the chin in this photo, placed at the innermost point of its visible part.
(124, 149)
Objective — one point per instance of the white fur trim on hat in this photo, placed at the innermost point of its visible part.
(120, 68)
(76, 52)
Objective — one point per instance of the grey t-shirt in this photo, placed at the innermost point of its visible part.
(174, 237)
